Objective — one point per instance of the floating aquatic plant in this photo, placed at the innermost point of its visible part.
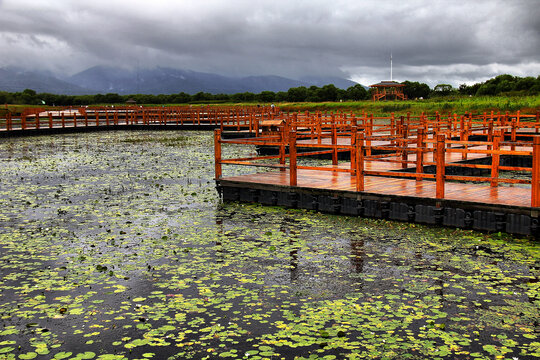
(115, 246)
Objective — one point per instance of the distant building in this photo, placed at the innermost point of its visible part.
(388, 90)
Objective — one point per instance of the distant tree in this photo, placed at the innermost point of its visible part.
(313, 94)
(297, 94)
(28, 96)
(281, 96)
(442, 89)
(535, 89)
(525, 84)
(415, 90)
(202, 96)
(222, 97)
(341, 94)
(245, 96)
(356, 92)
(112, 98)
(98, 99)
(4, 96)
(328, 93)
(465, 89)
(504, 86)
(487, 89)
(267, 96)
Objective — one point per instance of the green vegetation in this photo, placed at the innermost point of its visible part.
(115, 245)
(502, 85)
(453, 104)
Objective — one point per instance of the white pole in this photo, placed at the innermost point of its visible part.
(390, 66)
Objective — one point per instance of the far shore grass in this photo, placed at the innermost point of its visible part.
(444, 105)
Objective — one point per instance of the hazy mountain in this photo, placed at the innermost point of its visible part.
(325, 80)
(170, 81)
(16, 80)
(102, 79)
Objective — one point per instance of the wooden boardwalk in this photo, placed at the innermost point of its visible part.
(425, 172)
(35, 120)
(313, 179)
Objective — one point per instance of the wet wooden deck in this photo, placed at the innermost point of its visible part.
(462, 192)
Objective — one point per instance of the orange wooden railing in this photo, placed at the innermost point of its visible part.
(428, 138)
(227, 118)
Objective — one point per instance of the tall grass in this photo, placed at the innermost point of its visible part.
(528, 104)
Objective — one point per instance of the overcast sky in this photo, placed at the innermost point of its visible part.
(431, 41)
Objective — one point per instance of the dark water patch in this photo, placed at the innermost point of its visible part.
(122, 249)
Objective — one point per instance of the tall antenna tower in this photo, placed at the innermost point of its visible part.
(391, 66)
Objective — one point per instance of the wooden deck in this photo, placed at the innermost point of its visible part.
(313, 179)
(441, 171)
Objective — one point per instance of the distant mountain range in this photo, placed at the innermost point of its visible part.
(102, 79)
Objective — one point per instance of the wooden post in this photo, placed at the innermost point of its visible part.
(535, 181)
(9, 124)
(217, 153)
(63, 119)
(461, 127)
(359, 161)
(334, 144)
(37, 120)
(465, 146)
(85, 119)
(404, 148)
(319, 127)
(490, 130)
(97, 117)
(50, 120)
(23, 122)
(369, 133)
(419, 153)
(292, 159)
(514, 128)
(354, 131)
(282, 136)
(440, 160)
(107, 117)
(74, 119)
(392, 129)
(495, 159)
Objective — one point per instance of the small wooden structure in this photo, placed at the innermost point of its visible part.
(272, 126)
(388, 90)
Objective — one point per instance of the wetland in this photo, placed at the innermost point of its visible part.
(115, 245)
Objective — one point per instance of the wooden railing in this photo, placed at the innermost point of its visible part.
(227, 118)
(420, 142)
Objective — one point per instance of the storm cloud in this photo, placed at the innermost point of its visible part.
(430, 41)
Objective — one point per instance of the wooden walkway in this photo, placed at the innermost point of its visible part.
(425, 172)
(236, 119)
(475, 193)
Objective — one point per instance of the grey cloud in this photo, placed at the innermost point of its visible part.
(274, 37)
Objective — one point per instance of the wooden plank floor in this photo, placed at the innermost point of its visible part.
(477, 193)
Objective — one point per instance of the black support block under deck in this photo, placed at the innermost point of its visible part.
(482, 217)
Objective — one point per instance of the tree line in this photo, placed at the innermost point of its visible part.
(499, 85)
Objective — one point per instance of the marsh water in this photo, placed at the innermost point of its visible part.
(115, 245)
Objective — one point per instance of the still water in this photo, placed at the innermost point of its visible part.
(115, 245)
